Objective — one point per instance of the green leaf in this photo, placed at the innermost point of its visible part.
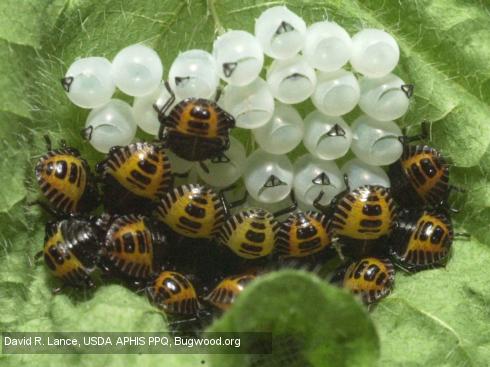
(312, 323)
(439, 317)
(25, 22)
(17, 64)
(111, 308)
(13, 147)
(436, 317)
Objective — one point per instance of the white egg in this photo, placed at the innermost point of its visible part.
(292, 80)
(336, 93)
(328, 46)
(384, 98)
(194, 74)
(280, 32)
(283, 132)
(144, 112)
(226, 169)
(268, 177)
(375, 53)
(88, 82)
(110, 125)
(239, 57)
(376, 142)
(313, 176)
(251, 105)
(137, 70)
(326, 137)
(361, 173)
(179, 165)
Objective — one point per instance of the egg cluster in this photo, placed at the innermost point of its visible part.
(359, 212)
(307, 62)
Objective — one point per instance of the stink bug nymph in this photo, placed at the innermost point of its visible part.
(421, 176)
(174, 294)
(225, 293)
(360, 217)
(195, 129)
(66, 181)
(134, 177)
(251, 233)
(422, 239)
(303, 234)
(71, 248)
(370, 277)
(193, 211)
(129, 247)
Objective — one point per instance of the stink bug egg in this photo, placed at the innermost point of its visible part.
(362, 174)
(292, 80)
(375, 53)
(280, 32)
(336, 93)
(385, 98)
(326, 137)
(313, 176)
(226, 168)
(110, 125)
(239, 57)
(88, 82)
(144, 112)
(251, 105)
(283, 132)
(327, 46)
(268, 178)
(179, 165)
(137, 70)
(376, 142)
(194, 74)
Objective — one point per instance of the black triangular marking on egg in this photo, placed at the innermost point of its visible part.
(272, 181)
(408, 89)
(229, 68)
(296, 76)
(321, 179)
(87, 133)
(222, 158)
(336, 130)
(66, 83)
(284, 27)
(179, 80)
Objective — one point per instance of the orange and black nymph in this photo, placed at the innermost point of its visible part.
(193, 211)
(134, 177)
(65, 180)
(366, 213)
(174, 293)
(303, 234)
(420, 177)
(129, 247)
(361, 219)
(250, 234)
(71, 249)
(422, 239)
(195, 129)
(370, 277)
(226, 292)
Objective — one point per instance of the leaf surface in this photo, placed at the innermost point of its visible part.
(437, 317)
